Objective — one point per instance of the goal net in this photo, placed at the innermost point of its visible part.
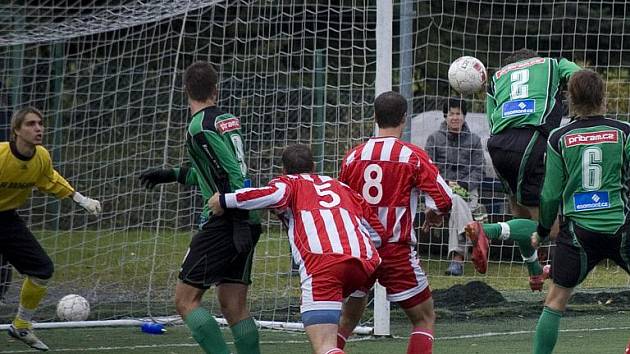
(590, 34)
(108, 77)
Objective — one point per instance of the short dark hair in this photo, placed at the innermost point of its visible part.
(389, 109)
(587, 93)
(200, 81)
(454, 102)
(19, 116)
(518, 55)
(297, 159)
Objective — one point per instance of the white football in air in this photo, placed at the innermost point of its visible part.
(467, 75)
(73, 308)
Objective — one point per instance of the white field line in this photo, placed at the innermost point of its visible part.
(363, 338)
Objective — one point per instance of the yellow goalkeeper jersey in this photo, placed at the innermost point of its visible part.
(19, 174)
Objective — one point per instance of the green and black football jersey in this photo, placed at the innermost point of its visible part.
(587, 173)
(524, 93)
(215, 149)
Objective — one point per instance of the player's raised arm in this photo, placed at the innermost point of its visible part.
(52, 182)
(275, 196)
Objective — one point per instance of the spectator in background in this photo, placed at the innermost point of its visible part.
(458, 154)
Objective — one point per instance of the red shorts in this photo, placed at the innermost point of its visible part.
(332, 279)
(401, 275)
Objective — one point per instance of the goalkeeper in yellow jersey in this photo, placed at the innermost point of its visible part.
(25, 164)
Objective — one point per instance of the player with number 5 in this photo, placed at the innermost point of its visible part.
(330, 229)
(391, 175)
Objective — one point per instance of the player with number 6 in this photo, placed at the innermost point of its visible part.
(586, 182)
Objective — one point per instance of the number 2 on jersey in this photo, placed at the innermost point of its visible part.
(519, 87)
(373, 178)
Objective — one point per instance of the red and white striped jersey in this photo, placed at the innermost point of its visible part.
(391, 174)
(323, 216)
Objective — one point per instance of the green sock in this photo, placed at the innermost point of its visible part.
(245, 335)
(205, 330)
(547, 331)
(520, 230)
(493, 231)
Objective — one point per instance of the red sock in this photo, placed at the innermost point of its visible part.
(628, 348)
(342, 337)
(420, 341)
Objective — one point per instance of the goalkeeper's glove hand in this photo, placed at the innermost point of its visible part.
(152, 177)
(93, 206)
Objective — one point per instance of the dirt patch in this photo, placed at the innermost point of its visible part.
(474, 294)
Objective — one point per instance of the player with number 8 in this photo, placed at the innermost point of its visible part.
(391, 175)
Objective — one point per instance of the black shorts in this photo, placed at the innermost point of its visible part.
(578, 251)
(518, 159)
(21, 249)
(212, 257)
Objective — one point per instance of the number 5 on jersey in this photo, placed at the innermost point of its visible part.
(322, 191)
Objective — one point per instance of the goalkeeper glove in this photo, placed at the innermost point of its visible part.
(93, 206)
(151, 178)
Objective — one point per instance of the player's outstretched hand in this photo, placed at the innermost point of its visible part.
(215, 205)
(154, 176)
(92, 206)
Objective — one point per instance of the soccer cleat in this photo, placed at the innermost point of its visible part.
(536, 281)
(474, 232)
(28, 337)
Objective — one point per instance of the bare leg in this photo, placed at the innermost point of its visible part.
(323, 337)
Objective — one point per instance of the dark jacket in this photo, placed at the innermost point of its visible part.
(458, 156)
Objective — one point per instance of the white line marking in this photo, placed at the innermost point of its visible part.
(355, 339)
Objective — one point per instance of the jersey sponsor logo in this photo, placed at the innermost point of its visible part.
(228, 125)
(606, 136)
(16, 185)
(518, 65)
(518, 107)
(591, 200)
